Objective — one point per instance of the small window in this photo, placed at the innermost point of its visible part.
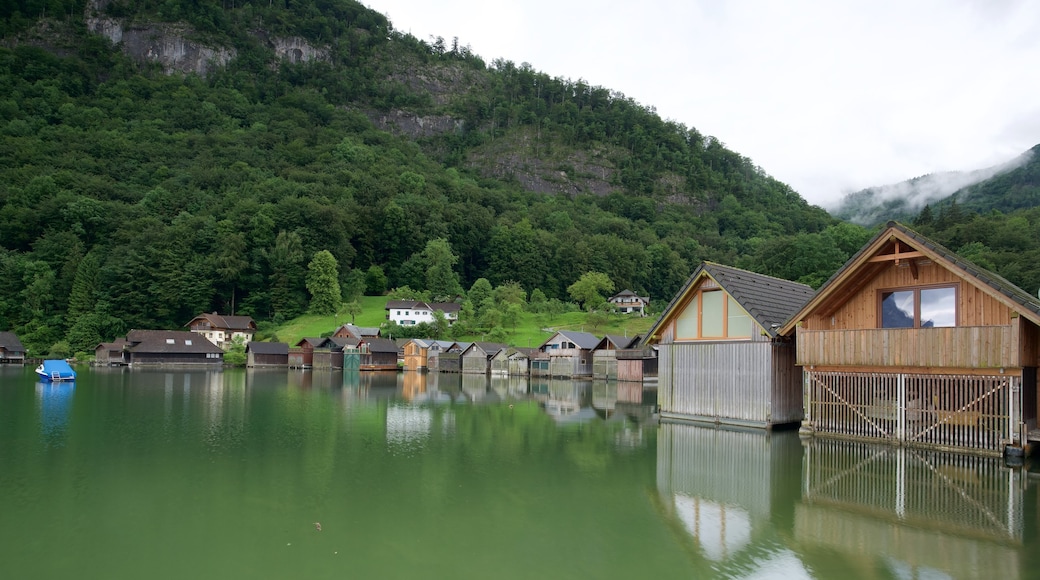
(170, 341)
(187, 342)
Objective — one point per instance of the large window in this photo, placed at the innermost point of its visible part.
(919, 307)
(713, 314)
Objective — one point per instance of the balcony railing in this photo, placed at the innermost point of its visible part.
(954, 347)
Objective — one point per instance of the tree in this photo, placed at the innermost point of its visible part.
(285, 259)
(375, 281)
(352, 308)
(323, 283)
(478, 293)
(442, 281)
(587, 290)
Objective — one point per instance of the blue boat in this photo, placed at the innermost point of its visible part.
(55, 371)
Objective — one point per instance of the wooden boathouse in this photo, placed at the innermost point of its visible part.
(910, 344)
(720, 357)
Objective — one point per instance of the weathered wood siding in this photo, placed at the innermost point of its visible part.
(753, 383)
(954, 347)
(327, 359)
(266, 360)
(567, 363)
(636, 365)
(475, 362)
(300, 357)
(974, 306)
(519, 366)
(449, 362)
(605, 364)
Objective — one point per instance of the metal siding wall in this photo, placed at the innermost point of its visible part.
(728, 380)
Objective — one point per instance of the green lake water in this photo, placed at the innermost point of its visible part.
(193, 474)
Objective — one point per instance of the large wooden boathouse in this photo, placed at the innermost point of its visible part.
(720, 359)
(910, 344)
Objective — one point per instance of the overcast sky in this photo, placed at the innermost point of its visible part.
(826, 96)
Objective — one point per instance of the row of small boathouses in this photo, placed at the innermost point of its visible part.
(907, 343)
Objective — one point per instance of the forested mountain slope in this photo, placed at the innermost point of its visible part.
(160, 159)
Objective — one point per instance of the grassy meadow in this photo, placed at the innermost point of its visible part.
(531, 330)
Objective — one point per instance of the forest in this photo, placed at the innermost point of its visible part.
(135, 198)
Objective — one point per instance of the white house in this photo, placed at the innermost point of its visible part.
(628, 301)
(412, 312)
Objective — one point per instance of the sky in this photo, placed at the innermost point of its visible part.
(828, 96)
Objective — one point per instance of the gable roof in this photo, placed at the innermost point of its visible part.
(489, 348)
(234, 323)
(380, 345)
(9, 342)
(170, 341)
(861, 267)
(445, 307)
(267, 347)
(584, 340)
(312, 342)
(616, 342)
(769, 301)
(629, 294)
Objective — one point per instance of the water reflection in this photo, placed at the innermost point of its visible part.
(920, 513)
(55, 403)
(749, 502)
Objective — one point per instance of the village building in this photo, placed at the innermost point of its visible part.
(565, 354)
(637, 364)
(628, 302)
(301, 355)
(11, 349)
(378, 354)
(912, 344)
(111, 353)
(412, 312)
(476, 359)
(604, 355)
(721, 359)
(512, 361)
(358, 332)
(170, 348)
(267, 354)
(449, 359)
(223, 330)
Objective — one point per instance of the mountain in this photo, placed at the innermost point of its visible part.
(989, 188)
(161, 158)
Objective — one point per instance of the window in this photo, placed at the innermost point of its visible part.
(170, 341)
(934, 307)
(713, 314)
(187, 342)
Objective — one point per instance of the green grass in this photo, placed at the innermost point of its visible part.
(373, 313)
(531, 330)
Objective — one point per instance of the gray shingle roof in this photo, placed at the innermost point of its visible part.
(9, 342)
(169, 341)
(267, 347)
(584, 340)
(769, 301)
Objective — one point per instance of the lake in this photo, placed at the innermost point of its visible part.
(299, 474)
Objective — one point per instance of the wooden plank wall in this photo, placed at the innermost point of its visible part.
(975, 307)
(943, 348)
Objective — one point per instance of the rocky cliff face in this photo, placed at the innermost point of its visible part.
(172, 45)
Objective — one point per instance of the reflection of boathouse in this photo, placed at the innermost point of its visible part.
(729, 492)
(928, 513)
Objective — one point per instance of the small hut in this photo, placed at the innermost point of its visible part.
(721, 359)
(267, 354)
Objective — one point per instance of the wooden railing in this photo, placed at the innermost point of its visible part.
(955, 347)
